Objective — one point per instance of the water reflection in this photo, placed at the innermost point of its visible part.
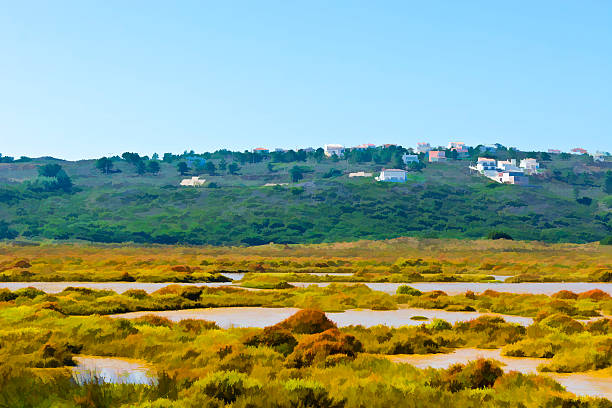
(261, 316)
(111, 370)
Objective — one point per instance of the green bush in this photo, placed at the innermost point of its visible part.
(310, 394)
(227, 385)
(408, 290)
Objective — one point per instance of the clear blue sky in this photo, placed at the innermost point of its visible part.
(82, 79)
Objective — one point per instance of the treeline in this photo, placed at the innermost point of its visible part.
(331, 212)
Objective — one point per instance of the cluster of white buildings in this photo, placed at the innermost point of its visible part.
(507, 171)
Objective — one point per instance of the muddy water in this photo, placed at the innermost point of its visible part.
(261, 317)
(112, 370)
(455, 288)
(590, 383)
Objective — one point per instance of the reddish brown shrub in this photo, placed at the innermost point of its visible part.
(477, 374)
(306, 321)
(317, 347)
(22, 263)
(180, 268)
(197, 326)
(491, 293)
(565, 294)
(595, 294)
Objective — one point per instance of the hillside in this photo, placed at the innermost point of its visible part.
(442, 200)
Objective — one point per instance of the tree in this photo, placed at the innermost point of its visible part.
(53, 177)
(155, 156)
(105, 165)
(233, 168)
(296, 174)
(141, 167)
(222, 165)
(153, 166)
(63, 181)
(608, 182)
(210, 167)
(6, 232)
(545, 156)
(49, 170)
(182, 168)
(397, 161)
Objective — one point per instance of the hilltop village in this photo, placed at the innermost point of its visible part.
(515, 169)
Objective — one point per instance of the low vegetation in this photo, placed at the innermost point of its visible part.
(303, 361)
(399, 260)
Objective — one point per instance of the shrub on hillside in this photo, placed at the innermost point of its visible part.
(499, 235)
(606, 241)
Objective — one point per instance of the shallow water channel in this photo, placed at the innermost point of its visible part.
(589, 383)
(451, 288)
(227, 317)
(456, 288)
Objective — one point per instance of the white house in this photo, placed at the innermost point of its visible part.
(530, 165)
(513, 177)
(600, 156)
(392, 175)
(195, 181)
(508, 165)
(423, 147)
(410, 158)
(483, 164)
(360, 174)
(331, 149)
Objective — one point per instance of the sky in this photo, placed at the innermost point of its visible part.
(85, 79)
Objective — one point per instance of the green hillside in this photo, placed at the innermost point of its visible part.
(440, 200)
